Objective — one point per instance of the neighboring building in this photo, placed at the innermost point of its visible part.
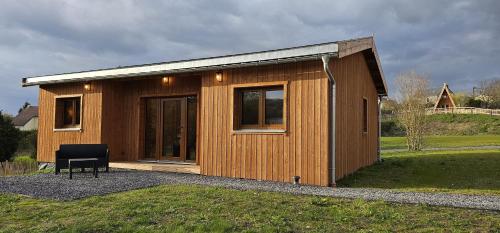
(445, 98)
(263, 115)
(27, 119)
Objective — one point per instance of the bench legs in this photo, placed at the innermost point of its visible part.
(96, 169)
(70, 170)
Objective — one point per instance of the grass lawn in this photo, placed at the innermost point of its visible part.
(443, 141)
(183, 208)
(469, 172)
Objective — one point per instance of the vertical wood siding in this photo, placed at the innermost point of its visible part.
(122, 129)
(302, 150)
(353, 148)
(48, 140)
(111, 112)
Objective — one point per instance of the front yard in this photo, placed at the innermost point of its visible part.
(196, 208)
(468, 172)
(191, 208)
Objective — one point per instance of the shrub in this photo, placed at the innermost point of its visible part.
(390, 128)
(25, 160)
(9, 138)
(19, 166)
(474, 103)
(28, 143)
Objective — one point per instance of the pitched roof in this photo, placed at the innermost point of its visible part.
(25, 115)
(308, 52)
(449, 94)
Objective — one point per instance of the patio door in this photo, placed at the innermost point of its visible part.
(173, 127)
(170, 129)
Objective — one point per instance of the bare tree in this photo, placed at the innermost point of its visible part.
(413, 89)
(491, 90)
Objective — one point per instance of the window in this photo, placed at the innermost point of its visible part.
(68, 112)
(365, 115)
(260, 107)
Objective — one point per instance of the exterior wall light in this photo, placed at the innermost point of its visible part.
(86, 86)
(218, 76)
(166, 81)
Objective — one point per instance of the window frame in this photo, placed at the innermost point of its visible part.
(63, 127)
(261, 127)
(364, 118)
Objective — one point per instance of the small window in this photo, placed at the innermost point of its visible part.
(365, 115)
(68, 112)
(260, 107)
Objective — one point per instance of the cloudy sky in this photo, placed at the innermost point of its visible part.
(450, 41)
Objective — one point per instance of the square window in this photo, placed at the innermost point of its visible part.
(68, 112)
(260, 107)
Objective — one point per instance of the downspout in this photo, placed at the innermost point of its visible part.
(326, 67)
(379, 159)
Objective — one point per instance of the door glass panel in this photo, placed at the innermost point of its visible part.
(171, 129)
(151, 123)
(191, 128)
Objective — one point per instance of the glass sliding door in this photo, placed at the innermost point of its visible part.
(151, 115)
(173, 129)
(192, 107)
(170, 129)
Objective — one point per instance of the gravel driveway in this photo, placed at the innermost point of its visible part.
(59, 187)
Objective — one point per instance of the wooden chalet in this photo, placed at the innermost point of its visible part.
(309, 111)
(445, 98)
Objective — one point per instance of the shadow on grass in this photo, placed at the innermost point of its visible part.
(468, 171)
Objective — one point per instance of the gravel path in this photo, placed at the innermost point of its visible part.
(59, 187)
(448, 148)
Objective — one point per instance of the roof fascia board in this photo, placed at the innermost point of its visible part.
(258, 58)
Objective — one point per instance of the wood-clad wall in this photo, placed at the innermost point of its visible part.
(302, 150)
(354, 149)
(113, 120)
(48, 139)
(122, 108)
(112, 114)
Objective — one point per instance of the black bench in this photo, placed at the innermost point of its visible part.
(82, 151)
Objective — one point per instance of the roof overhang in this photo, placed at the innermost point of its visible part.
(302, 53)
(367, 46)
(337, 49)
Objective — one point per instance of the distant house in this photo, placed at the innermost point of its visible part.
(445, 98)
(27, 119)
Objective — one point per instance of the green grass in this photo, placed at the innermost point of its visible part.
(183, 208)
(443, 141)
(460, 118)
(464, 124)
(450, 124)
(468, 172)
